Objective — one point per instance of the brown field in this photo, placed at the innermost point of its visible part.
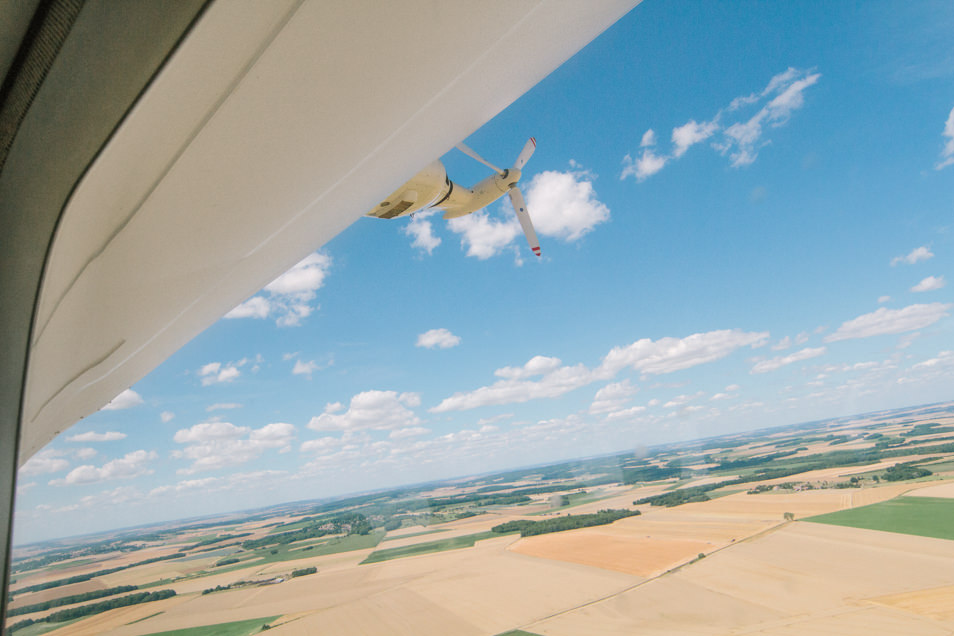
(936, 603)
(800, 579)
(639, 555)
(945, 489)
(484, 590)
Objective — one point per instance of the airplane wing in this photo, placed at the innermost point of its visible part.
(162, 163)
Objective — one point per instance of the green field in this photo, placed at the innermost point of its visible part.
(238, 628)
(36, 629)
(292, 552)
(922, 516)
(414, 534)
(518, 632)
(466, 541)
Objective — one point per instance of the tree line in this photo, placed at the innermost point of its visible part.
(95, 608)
(79, 578)
(528, 528)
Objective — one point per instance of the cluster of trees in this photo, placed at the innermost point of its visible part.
(559, 524)
(901, 472)
(304, 571)
(95, 608)
(228, 561)
(929, 428)
(100, 547)
(70, 600)
(749, 462)
(79, 578)
(350, 522)
(680, 496)
(650, 473)
(218, 539)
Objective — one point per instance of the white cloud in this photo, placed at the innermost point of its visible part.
(215, 445)
(930, 283)
(125, 400)
(666, 355)
(888, 321)
(782, 344)
(93, 436)
(740, 140)
(649, 139)
(689, 134)
(411, 431)
(129, 466)
(222, 406)
(563, 205)
(883, 299)
(916, 255)
(648, 164)
(45, 461)
(612, 397)
(305, 368)
(483, 236)
(437, 339)
(673, 354)
(166, 416)
(219, 373)
(370, 410)
(86, 453)
(422, 231)
(254, 307)
(780, 361)
(288, 297)
(947, 153)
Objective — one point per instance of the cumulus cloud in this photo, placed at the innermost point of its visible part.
(888, 321)
(612, 397)
(562, 205)
(930, 283)
(305, 368)
(129, 466)
(916, 255)
(93, 436)
(484, 236)
(649, 139)
(437, 339)
(646, 165)
(220, 372)
(547, 377)
(674, 354)
(689, 134)
(422, 231)
(215, 445)
(166, 416)
(370, 410)
(883, 299)
(288, 297)
(44, 462)
(740, 140)
(411, 431)
(125, 400)
(780, 361)
(947, 153)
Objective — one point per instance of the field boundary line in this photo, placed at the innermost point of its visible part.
(672, 570)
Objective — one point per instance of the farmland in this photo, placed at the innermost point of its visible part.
(841, 525)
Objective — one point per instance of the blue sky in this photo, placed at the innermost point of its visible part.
(745, 211)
